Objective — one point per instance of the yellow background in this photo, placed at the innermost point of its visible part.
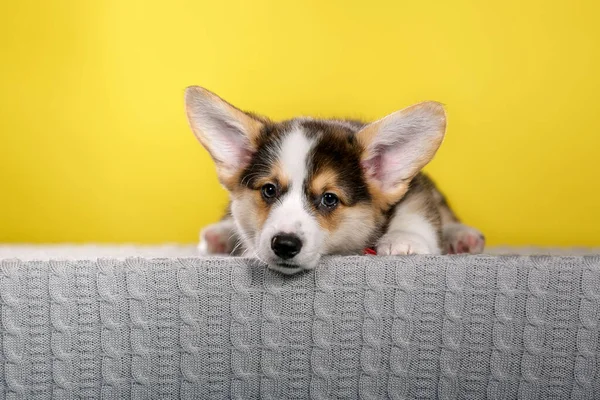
(94, 145)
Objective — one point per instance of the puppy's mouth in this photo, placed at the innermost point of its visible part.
(288, 267)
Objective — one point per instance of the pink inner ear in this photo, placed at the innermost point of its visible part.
(380, 168)
(234, 150)
(245, 157)
(372, 167)
(386, 167)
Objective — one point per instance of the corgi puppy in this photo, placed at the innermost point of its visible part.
(304, 188)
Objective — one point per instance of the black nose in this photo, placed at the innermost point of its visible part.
(286, 245)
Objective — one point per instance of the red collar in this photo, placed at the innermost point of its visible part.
(369, 252)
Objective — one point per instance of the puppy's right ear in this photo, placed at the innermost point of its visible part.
(226, 132)
(398, 146)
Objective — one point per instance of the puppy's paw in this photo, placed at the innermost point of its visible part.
(217, 239)
(460, 238)
(402, 243)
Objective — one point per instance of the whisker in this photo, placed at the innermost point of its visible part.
(238, 244)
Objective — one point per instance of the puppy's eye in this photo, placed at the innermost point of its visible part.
(269, 191)
(329, 200)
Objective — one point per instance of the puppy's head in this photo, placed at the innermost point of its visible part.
(304, 188)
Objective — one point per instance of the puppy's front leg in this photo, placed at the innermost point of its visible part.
(413, 229)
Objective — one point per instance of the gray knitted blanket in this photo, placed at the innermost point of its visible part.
(416, 327)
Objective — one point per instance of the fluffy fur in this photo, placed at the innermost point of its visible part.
(303, 188)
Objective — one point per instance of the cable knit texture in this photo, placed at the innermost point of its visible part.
(417, 327)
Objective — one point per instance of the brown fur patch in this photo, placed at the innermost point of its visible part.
(351, 228)
(252, 193)
(326, 182)
(345, 214)
(331, 221)
(385, 200)
(323, 181)
(229, 182)
(279, 177)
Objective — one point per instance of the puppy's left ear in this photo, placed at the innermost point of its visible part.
(398, 146)
(228, 133)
